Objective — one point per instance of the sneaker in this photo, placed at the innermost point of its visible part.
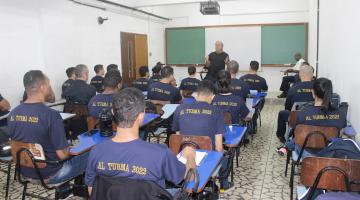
(227, 187)
(282, 151)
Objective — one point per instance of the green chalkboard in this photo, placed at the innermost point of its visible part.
(185, 46)
(280, 43)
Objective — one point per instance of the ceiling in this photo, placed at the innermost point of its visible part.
(150, 3)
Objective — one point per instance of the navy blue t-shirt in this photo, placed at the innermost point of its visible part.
(199, 118)
(64, 87)
(255, 82)
(136, 159)
(235, 105)
(190, 84)
(164, 92)
(100, 102)
(300, 92)
(316, 116)
(240, 88)
(37, 123)
(141, 84)
(97, 82)
(155, 78)
(79, 92)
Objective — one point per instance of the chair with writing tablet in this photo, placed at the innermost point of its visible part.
(158, 127)
(309, 138)
(178, 142)
(31, 155)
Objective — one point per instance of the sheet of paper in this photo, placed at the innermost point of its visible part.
(198, 157)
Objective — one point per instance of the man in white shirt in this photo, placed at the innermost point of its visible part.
(287, 80)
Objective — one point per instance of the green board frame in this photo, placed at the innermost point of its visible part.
(279, 43)
(185, 46)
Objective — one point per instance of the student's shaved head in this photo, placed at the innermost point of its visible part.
(233, 67)
(306, 72)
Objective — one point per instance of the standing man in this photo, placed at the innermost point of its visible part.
(216, 61)
(287, 80)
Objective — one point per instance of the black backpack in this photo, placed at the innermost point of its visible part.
(341, 148)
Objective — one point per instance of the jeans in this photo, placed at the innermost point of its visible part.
(225, 172)
(285, 84)
(291, 146)
(281, 126)
(70, 169)
(173, 191)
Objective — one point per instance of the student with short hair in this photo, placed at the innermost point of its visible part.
(142, 83)
(255, 81)
(97, 80)
(139, 159)
(321, 113)
(80, 92)
(300, 92)
(203, 119)
(190, 83)
(163, 90)
(112, 67)
(112, 85)
(227, 101)
(4, 109)
(70, 72)
(238, 87)
(34, 122)
(156, 72)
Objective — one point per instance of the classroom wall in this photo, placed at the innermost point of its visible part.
(53, 35)
(238, 12)
(339, 51)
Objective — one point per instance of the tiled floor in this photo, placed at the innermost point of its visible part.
(260, 174)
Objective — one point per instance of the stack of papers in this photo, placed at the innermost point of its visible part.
(198, 157)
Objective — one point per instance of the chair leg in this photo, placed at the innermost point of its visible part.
(237, 151)
(24, 191)
(292, 180)
(287, 163)
(8, 181)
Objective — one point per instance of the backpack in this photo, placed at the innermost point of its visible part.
(341, 148)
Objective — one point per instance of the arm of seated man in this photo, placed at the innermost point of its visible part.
(62, 154)
(219, 142)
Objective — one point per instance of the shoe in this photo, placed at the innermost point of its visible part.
(282, 95)
(229, 186)
(282, 151)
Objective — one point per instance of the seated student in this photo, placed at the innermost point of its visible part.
(4, 109)
(238, 87)
(203, 119)
(163, 90)
(190, 83)
(255, 81)
(112, 67)
(287, 80)
(34, 122)
(142, 83)
(70, 72)
(156, 72)
(227, 101)
(97, 81)
(112, 85)
(300, 92)
(80, 92)
(322, 113)
(137, 159)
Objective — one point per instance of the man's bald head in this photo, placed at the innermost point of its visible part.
(297, 56)
(233, 67)
(306, 73)
(219, 46)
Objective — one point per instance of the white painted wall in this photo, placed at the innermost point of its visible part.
(236, 12)
(339, 51)
(53, 35)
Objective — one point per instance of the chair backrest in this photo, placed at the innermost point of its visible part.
(186, 93)
(25, 151)
(227, 118)
(292, 118)
(93, 123)
(331, 173)
(176, 141)
(159, 104)
(79, 110)
(315, 135)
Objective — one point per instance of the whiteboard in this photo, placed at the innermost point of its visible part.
(242, 43)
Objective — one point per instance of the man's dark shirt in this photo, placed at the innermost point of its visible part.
(141, 84)
(190, 84)
(300, 92)
(97, 82)
(79, 93)
(155, 78)
(255, 82)
(64, 87)
(240, 88)
(3, 112)
(164, 92)
(217, 63)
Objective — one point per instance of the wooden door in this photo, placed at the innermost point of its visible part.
(141, 52)
(134, 54)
